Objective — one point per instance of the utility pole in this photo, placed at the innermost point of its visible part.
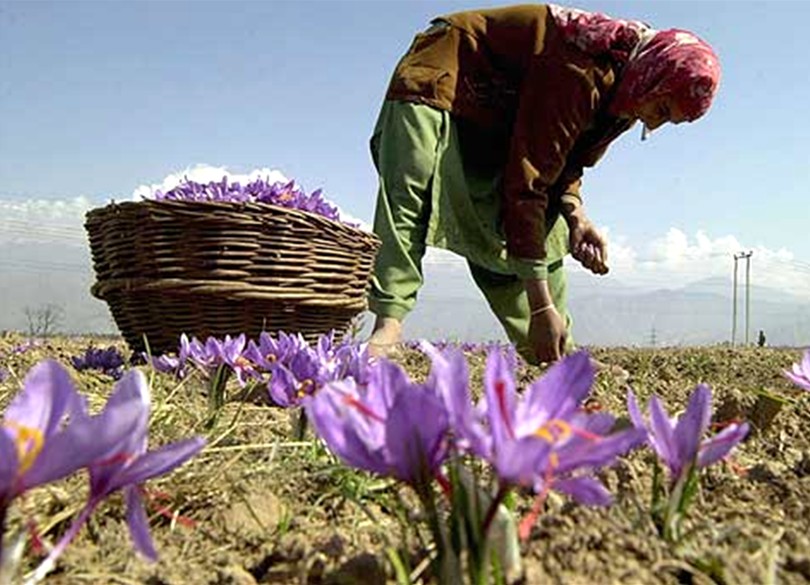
(734, 304)
(653, 338)
(747, 257)
(747, 294)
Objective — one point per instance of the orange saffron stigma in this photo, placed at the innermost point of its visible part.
(365, 410)
(500, 393)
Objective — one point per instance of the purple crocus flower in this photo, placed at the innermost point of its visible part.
(270, 350)
(109, 361)
(392, 427)
(542, 439)
(214, 353)
(352, 361)
(297, 370)
(124, 464)
(231, 353)
(344, 359)
(46, 433)
(298, 375)
(165, 364)
(128, 463)
(799, 374)
(679, 441)
(203, 355)
(508, 430)
(172, 364)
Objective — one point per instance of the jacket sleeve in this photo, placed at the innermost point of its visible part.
(558, 102)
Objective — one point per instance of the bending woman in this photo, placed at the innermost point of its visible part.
(488, 122)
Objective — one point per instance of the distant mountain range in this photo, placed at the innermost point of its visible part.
(606, 313)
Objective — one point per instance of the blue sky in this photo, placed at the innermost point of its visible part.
(98, 98)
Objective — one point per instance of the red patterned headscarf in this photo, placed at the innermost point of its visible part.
(671, 63)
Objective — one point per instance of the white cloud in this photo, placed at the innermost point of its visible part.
(675, 260)
(43, 221)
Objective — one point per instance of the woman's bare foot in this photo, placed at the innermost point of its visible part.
(617, 372)
(385, 338)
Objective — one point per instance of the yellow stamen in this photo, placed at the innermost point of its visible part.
(305, 388)
(554, 431)
(244, 362)
(29, 442)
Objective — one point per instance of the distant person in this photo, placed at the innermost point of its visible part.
(761, 341)
(487, 124)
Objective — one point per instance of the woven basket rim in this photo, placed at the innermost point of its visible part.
(254, 206)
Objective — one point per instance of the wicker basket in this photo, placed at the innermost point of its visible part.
(214, 268)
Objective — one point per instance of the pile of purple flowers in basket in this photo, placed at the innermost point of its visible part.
(289, 195)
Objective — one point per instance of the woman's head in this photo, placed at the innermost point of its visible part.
(672, 78)
(666, 76)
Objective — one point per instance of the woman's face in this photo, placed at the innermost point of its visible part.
(658, 110)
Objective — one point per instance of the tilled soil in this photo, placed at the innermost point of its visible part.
(261, 506)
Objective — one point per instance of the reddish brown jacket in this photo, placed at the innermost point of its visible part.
(526, 98)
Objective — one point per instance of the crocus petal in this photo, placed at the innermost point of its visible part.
(597, 423)
(139, 523)
(599, 452)
(501, 397)
(84, 442)
(799, 374)
(165, 364)
(721, 444)
(158, 462)
(661, 436)
(521, 462)
(450, 376)
(131, 392)
(48, 395)
(634, 411)
(132, 387)
(326, 410)
(693, 424)
(184, 349)
(805, 364)
(416, 429)
(800, 381)
(585, 490)
(8, 466)
(559, 392)
(282, 386)
(387, 378)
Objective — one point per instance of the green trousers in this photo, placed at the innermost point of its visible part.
(430, 196)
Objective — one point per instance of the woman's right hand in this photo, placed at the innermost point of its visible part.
(547, 335)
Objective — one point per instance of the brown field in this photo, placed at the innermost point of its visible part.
(259, 506)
